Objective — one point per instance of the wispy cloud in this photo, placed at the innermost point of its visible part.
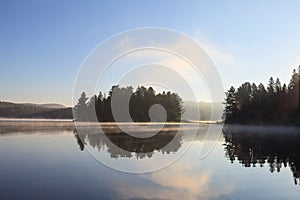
(196, 79)
(221, 55)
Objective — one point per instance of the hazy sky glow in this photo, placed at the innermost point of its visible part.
(43, 43)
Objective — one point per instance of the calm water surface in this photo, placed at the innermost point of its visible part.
(54, 162)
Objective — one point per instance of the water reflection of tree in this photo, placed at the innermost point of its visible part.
(124, 145)
(275, 150)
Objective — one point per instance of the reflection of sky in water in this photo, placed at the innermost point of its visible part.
(43, 166)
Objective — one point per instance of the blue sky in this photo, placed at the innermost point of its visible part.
(43, 43)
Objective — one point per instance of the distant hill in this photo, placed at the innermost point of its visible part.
(52, 105)
(29, 110)
(202, 109)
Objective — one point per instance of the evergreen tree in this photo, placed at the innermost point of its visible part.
(230, 104)
(278, 87)
(276, 105)
(271, 86)
(81, 108)
(139, 105)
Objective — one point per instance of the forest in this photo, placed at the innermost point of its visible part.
(28, 110)
(275, 103)
(139, 104)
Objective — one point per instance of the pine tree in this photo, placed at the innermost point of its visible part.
(230, 104)
(81, 108)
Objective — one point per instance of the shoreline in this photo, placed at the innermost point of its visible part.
(260, 129)
(72, 120)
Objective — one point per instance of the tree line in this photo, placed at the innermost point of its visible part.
(139, 104)
(259, 104)
(19, 110)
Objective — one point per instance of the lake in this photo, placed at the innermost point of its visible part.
(52, 160)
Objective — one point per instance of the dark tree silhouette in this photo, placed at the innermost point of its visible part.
(276, 104)
(139, 104)
(230, 107)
